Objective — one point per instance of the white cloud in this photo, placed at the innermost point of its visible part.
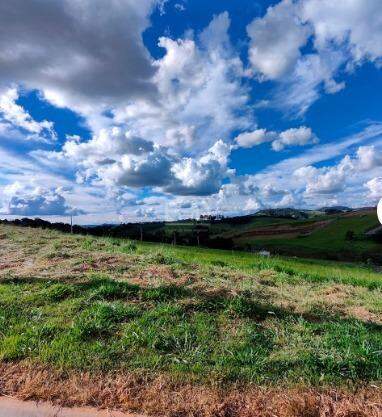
(326, 180)
(298, 182)
(13, 117)
(252, 205)
(344, 34)
(291, 137)
(294, 137)
(375, 188)
(355, 23)
(37, 202)
(368, 157)
(115, 157)
(152, 170)
(334, 179)
(201, 93)
(312, 74)
(288, 200)
(256, 137)
(276, 40)
(170, 142)
(327, 151)
(203, 176)
(106, 145)
(167, 124)
(180, 7)
(82, 54)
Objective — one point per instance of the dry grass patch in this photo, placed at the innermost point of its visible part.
(159, 395)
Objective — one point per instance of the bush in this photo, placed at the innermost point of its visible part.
(350, 235)
(129, 247)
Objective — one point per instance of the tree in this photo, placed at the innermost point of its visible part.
(350, 235)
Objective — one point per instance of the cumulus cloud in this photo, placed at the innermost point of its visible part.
(167, 125)
(201, 93)
(171, 142)
(152, 170)
(343, 34)
(14, 117)
(291, 137)
(37, 202)
(202, 176)
(256, 137)
(294, 137)
(368, 157)
(276, 39)
(181, 176)
(334, 179)
(114, 158)
(87, 53)
(288, 200)
(325, 181)
(375, 188)
(106, 145)
(252, 205)
(357, 24)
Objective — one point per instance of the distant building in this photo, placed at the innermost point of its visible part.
(210, 217)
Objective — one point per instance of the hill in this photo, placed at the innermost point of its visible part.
(335, 233)
(185, 331)
(341, 236)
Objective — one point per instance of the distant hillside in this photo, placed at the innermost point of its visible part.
(337, 233)
(288, 213)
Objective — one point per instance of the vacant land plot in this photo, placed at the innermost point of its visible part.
(185, 331)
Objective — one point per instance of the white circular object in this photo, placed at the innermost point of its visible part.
(379, 211)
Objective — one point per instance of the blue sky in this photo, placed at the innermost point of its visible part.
(129, 111)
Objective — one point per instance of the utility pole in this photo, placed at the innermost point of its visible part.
(71, 223)
(141, 230)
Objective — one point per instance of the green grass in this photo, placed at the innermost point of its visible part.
(293, 270)
(224, 317)
(102, 324)
(329, 241)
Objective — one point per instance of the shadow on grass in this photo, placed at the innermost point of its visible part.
(244, 305)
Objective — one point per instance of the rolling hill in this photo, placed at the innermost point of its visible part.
(333, 233)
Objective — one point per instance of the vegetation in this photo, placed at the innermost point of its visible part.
(333, 234)
(331, 241)
(100, 304)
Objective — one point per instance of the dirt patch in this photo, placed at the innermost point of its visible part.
(160, 274)
(361, 313)
(104, 263)
(336, 294)
(290, 230)
(9, 265)
(159, 395)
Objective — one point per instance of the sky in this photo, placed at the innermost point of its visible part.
(123, 110)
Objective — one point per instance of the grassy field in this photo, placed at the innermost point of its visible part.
(327, 242)
(208, 317)
(313, 235)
